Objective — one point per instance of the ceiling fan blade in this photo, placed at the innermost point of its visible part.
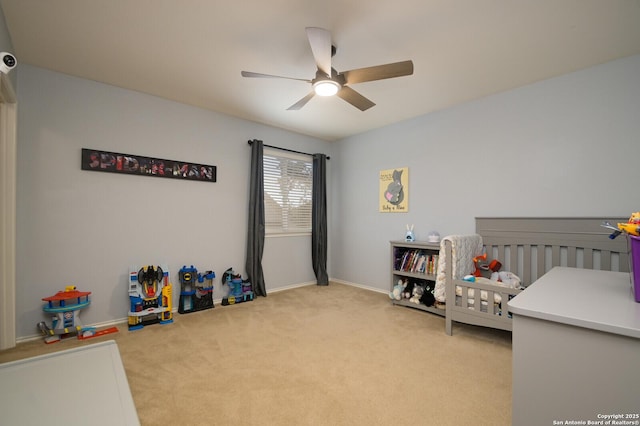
(302, 102)
(379, 72)
(320, 42)
(258, 75)
(354, 98)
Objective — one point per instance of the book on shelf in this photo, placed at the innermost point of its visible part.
(416, 261)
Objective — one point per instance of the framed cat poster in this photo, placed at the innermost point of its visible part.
(394, 190)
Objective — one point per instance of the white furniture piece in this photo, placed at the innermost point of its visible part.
(80, 386)
(576, 349)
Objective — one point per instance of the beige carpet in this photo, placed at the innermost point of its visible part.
(335, 355)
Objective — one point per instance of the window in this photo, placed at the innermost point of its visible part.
(288, 181)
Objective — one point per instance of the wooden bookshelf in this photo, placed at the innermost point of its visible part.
(418, 262)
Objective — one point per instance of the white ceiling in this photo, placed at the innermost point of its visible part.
(192, 51)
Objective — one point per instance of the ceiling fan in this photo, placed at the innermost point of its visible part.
(328, 81)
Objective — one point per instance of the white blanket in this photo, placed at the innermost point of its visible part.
(464, 249)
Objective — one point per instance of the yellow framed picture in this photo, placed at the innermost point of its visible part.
(394, 190)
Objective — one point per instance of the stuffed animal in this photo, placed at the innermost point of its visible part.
(491, 270)
(408, 290)
(508, 279)
(417, 293)
(396, 293)
(427, 297)
(484, 268)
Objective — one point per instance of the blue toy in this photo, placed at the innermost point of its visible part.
(195, 294)
(239, 289)
(410, 236)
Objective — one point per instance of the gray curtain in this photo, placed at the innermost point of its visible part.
(319, 219)
(256, 228)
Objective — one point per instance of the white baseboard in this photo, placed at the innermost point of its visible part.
(289, 287)
(362, 286)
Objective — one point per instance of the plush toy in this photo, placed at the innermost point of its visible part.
(427, 297)
(417, 293)
(408, 290)
(484, 268)
(396, 293)
(491, 270)
(508, 279)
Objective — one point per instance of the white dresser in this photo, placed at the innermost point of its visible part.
(85, 385)
(576, 349)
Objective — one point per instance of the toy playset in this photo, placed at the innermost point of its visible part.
(150, 297)
(150, 300)
(239, 289)
(196, 290)
(65, 307)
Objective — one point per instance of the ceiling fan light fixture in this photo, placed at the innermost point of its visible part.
(329, 82)
(326, 87)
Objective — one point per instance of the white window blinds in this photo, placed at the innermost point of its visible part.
(288, 181)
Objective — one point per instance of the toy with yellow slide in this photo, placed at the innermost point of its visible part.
(631, 227)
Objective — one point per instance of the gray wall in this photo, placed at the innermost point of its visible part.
(567, 146)
(87, 228)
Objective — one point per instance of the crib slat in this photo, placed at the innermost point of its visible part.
(555, 257)
(503, 304)
(526, 264)
(588, 258)
(501, 253)
(572, 257)
(541, 261)
(605, 260)
(464, 300)
(513, 259)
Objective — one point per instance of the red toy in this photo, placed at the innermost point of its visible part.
(484, 269)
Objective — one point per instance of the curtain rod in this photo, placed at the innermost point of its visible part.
(286, 149)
